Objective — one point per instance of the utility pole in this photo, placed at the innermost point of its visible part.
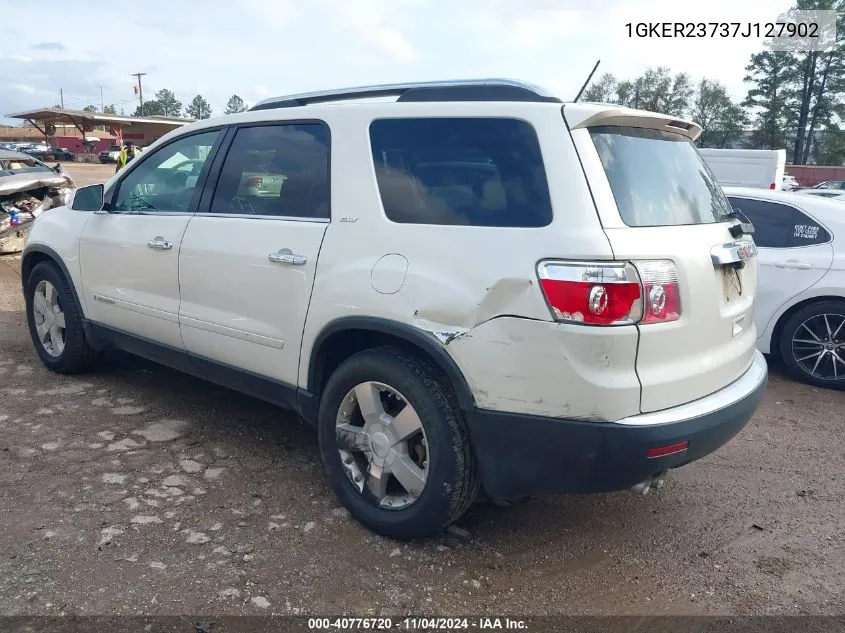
(140, 90)
(62, 98)
(102, 103)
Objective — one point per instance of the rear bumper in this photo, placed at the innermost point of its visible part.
(520, 455)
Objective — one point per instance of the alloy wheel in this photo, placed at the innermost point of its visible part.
(382, 445)
(818, 346)
(49, 318)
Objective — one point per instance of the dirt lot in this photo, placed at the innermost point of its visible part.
(137, 490)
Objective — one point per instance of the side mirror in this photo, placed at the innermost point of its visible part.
(90, 198)
(58, 168)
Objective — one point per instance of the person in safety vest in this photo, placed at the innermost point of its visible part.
(128, 152)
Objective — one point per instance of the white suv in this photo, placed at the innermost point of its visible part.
(472, 286)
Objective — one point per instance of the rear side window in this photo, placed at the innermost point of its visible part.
(779, 225)
(658, 178)
(461, 171)
(276, 170)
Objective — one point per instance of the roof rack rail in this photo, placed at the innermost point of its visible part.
(455, 90)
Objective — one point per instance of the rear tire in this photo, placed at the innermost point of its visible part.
(437, 451)
(55, 321)
(812, 344)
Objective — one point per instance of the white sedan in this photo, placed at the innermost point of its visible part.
(800, 303)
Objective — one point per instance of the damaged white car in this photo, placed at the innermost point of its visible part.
(27, 188)
(471, 287)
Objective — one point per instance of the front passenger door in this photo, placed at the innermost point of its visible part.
(129, 253)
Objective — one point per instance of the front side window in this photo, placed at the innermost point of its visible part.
(460, 171)
(165, 180)
(658, 178)
(276, 170)
(779, 225)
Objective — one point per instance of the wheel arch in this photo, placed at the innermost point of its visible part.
(35, 254)
(777, 330)
(343, 337)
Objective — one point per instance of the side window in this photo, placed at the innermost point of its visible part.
(460, 171)
(779, 225)
(165, 179)
(276, 170)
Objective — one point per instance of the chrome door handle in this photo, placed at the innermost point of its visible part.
(285, 256)
(160, 244)
(794, 265)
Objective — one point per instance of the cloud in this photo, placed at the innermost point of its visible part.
(393, 43)
(49, 46)
(257, 48)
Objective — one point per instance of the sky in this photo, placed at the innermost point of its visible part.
(262, 48)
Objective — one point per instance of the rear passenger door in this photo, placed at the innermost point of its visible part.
(248, 258)
(794, 252)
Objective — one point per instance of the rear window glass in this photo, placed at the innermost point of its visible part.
(10, 166)
(461, 171)
(658, 178)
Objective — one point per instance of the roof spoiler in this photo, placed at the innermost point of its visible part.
(583, 115)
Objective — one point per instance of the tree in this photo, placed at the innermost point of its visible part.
(830, 147)
(721, 119)
(151, 108)
(769, 74)
(235, 105)
(601, 91)
(109, 109)
(199, 108)
(170, 105)
(89, 108)
(657, 90)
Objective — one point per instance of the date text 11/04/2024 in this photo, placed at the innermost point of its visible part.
(417, 624)
(724, 29)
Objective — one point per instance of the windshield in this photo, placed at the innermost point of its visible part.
(658, 178)
(9, 166)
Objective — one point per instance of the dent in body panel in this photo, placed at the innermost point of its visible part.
(551, 369)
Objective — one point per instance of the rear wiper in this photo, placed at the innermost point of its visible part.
(745, 227)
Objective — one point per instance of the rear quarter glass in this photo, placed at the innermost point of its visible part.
(658, 178)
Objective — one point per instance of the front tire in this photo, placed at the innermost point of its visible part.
(394, 444)
(812, 344)
(55, 321)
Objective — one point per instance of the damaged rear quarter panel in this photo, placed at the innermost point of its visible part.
(551, 369)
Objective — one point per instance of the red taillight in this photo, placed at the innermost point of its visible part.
(595, 293)
(772, 186)
(254, 181)
(663, 451)
(661, 290)
(611, 293)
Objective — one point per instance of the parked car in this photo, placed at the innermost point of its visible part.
(110, 155)
(829, 184)
(27, 188)
(800, 311)
(507, 295)
(52, 153)
(833, 194)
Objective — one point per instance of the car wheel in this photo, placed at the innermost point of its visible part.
(55, 321)
(394, 444)
(812, 344)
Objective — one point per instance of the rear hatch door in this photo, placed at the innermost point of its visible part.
(658, 201)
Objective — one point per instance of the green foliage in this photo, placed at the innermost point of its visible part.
(199, 108)
(235, 105)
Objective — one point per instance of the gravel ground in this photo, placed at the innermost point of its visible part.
(137, 490)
